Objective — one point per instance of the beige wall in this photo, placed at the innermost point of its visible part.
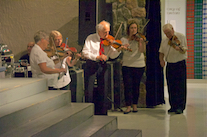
(20, 19)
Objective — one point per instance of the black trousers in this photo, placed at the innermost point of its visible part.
(131, 78)
(96, 70)
(176, 82)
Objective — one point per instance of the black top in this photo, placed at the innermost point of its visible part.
(26, 56)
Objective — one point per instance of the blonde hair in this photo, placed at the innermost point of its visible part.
(52, 36)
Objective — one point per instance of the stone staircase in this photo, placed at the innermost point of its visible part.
(28, 109)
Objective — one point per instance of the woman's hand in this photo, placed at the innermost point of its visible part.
(61, 70)
(141, 40)
(78, 56)
(123, 47)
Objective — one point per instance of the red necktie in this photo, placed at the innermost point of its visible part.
(101, 50)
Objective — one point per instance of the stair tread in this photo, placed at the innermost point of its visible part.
(10, 83)
(29, 101)
(48, 120)
(90, 126)
(13, 89)
(127, 133)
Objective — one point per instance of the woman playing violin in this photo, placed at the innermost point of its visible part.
(133, 65)
(42, 66)
(62, 61)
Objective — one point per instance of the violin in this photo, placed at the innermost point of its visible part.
(139, 35)
(61, 50)
(174, 42)
(110, 41)
(66, 48)
(73, 50)
(51, 52)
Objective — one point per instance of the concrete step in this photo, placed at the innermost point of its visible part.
(127, 133)
(96, 126)
(24, 110)
(13, 89)
(54, 123)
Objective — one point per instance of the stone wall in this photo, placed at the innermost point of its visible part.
(123, 10)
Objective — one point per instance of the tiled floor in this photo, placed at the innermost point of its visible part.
(157, 122)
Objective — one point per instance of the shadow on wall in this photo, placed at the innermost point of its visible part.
(20, 54)
(70, 30)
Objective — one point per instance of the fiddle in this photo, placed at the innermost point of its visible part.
(51, 52)
(174, 42)
(60, 51)
(139, 35)
(110, 41)
(72, 51)
(65, 47)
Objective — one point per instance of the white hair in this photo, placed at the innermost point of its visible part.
(167, 26)
(41, 34)
(101, 25)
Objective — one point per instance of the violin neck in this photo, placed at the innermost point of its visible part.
(117, 43)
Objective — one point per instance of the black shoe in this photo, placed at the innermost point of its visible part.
(171, 110)
(178, 111)
(135, 111)
(127, 112)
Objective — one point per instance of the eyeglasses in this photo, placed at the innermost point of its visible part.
(47, 39)
(58, 39)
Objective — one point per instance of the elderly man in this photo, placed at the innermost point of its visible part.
(25, 61)
(97, 54)
(174, 49)
(26, 56)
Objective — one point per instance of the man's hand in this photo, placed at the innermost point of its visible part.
(162, 63)
(161, 58)
(102, 57)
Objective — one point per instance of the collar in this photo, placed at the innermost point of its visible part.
(98, 36)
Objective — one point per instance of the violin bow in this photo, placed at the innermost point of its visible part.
(66, 42)
(55, 49)
(145, 25)
(116, 35)
(60, 75)
(118, 30)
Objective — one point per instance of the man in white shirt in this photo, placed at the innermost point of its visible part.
(97, 54)
(174, 49)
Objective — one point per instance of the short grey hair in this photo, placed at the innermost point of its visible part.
(167, 26)
(100, 26)
(41, 34)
